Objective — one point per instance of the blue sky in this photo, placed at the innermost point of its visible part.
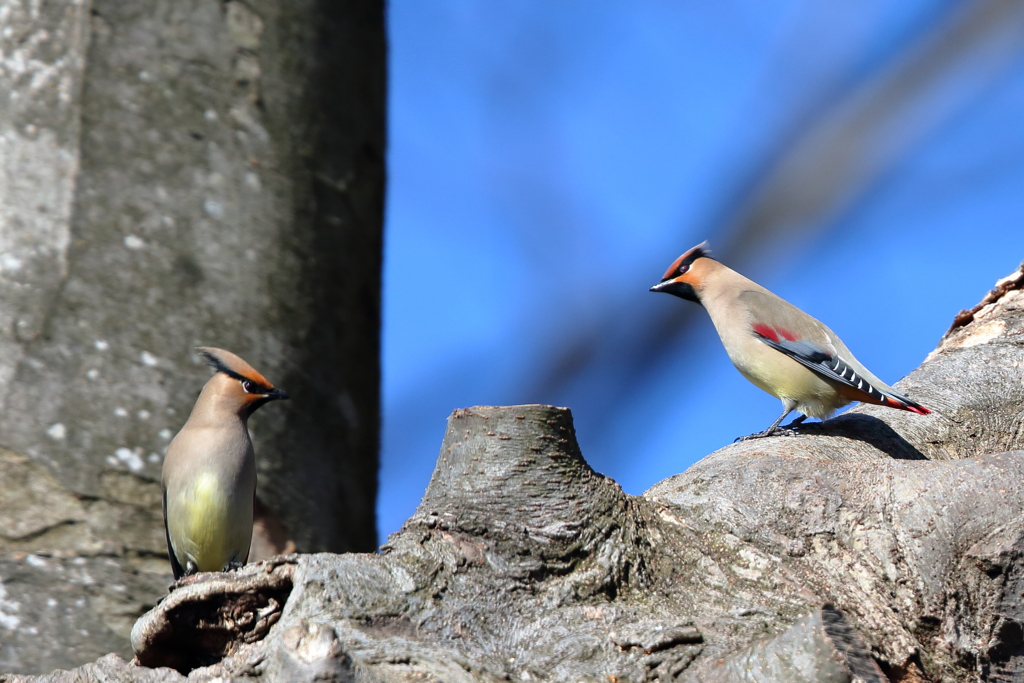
(548, 161)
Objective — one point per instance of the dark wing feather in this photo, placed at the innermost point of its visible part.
(825, 364)
(175, 567)
(837, 370)
(245, 560)
(780, 335)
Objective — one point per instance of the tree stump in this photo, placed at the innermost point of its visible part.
(878, 545)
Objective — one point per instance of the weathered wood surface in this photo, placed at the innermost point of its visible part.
(521, 563)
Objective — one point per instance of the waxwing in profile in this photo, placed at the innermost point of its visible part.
(209, 473)
(777, 346)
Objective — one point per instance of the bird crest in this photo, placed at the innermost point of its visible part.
(682, 264)
(232, 365)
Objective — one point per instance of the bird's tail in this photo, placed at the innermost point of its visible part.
(894, 400)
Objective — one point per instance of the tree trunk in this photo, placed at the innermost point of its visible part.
(176, 173)
(880, 545)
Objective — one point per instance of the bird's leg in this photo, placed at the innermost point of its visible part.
(233, 565)
(795, 423)
(775, 429)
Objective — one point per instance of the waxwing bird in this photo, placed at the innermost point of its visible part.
(209, 475)
(777, 346)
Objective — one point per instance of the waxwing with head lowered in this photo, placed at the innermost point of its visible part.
(777, 346)
(209, 475)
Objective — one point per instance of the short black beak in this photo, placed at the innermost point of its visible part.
(683, 290)
(660, 287)
(277, 395)
(670, 287)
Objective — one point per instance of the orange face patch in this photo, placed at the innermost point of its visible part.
(677, 267)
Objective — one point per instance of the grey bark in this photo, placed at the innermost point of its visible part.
(879, 543)
(175, 173)
(820, 648)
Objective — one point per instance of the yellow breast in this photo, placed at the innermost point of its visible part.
(212, 528)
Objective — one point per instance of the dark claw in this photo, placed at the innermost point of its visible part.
(788, 430)
(778, 431)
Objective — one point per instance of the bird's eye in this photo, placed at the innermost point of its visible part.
(251, 387)
(683, 268)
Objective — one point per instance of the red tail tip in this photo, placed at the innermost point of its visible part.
(912, 407)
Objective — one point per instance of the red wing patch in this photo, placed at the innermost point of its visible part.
(786, 334)
(774, 333)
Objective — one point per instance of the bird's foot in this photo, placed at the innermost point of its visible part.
(788, 430)
(778, 431)
(233, 565)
